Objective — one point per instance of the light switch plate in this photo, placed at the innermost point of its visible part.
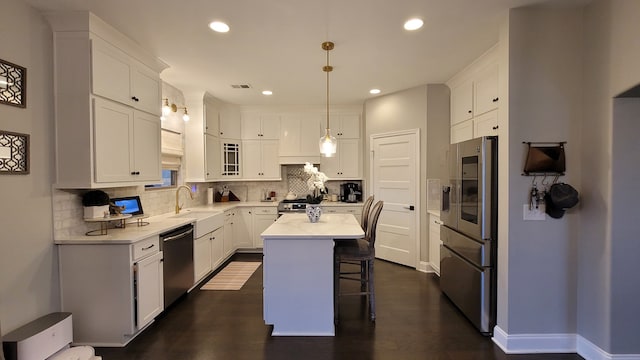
(534, 213)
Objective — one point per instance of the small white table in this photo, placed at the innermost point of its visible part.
(298, 272)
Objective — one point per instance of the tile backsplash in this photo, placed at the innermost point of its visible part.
(68, 211)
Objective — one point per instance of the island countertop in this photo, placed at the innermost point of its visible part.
(298, 226)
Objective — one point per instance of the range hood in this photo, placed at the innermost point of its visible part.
(299, 160)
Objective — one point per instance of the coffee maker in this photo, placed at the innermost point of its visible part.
(350, 192)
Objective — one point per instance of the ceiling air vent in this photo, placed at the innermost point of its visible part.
(241, 86)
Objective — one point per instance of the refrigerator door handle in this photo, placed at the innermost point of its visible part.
(446, 198)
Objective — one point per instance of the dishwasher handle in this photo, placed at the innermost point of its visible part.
(169, 238)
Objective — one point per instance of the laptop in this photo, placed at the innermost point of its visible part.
(131, 204)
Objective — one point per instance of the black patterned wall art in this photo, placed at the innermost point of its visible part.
(13, 84)
(14, 153)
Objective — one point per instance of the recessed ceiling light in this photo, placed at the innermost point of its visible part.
(413, 24)
(219, 26)
(267, 92)
(374, 91)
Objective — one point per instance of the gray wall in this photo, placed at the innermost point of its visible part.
(28, 267)
(609, 285)
(426, 108)
(545, 105)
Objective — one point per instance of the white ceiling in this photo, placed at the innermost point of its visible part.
(275, 44)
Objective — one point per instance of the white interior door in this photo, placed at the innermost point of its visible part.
(394, 176)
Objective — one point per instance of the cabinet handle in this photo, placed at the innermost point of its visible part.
(148, 247)
(495, 100)
(495, 127)
(221, 133)
(133, 173)
(469, 111)
(135, 98)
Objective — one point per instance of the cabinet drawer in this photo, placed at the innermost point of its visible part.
(146, 247)
(355, 210)
(265, 210)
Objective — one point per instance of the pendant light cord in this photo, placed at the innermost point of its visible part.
(328, 70)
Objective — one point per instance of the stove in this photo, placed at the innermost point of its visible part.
(292, 206)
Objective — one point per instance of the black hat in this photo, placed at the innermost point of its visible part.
(560, 196)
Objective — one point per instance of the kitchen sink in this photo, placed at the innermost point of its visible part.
(205, 221)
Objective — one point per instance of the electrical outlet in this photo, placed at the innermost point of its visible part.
(533, 213)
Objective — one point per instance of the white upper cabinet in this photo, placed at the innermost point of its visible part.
(486, 124)
(475, 98)
(345, 164)
(486, 90)
(462, 102)
(299, 135)
(119, 77)
(107, 105)
(230, 127)
(127, 143)
(213, 159)
(260, 126)
(260, 160)
(344, 126)
(212, 119)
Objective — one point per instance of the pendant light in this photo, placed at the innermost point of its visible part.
(328, 143)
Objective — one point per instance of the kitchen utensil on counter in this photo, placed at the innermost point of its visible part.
(350, 192)
(291, 196)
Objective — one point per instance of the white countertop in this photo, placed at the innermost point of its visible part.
(298, 226)
(156, 225)
(162, 223)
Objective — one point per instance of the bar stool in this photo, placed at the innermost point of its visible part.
(364, 221)
(361, 251)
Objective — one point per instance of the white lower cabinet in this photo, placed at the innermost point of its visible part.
(208, 253)
(217, 247)
(434, 242)
(242, 238)
(149, 289)
(228, 238)
(202, 260)
(339, 209)
(263, 217)
(113, 290)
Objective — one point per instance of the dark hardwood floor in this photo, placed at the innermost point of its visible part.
(414, 321)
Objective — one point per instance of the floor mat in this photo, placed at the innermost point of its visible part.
(233, 276)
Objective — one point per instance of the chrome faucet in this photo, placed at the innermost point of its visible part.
(178, 207)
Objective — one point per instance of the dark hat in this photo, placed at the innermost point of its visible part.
(560, 196)
(552, 210)
(563, 195)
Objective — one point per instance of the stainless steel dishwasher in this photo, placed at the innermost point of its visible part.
(177, 247)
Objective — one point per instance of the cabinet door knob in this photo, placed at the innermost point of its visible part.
(495, 127)
(221, 133)
(135, 98)
(469, 111)
(495, 100)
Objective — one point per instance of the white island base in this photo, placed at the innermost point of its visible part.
(298, 272)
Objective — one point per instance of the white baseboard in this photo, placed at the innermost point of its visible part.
(553, 343)
(590, 351)
(534, 343)
(424, 267)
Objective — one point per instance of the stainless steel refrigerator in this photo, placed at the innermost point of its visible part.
(469, 212)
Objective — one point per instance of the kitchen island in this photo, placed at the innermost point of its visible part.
(298, 272)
